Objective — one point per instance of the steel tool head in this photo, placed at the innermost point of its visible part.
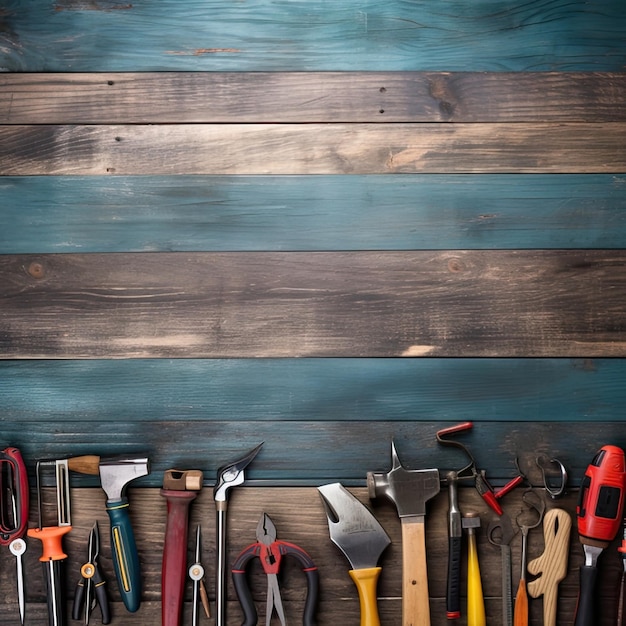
(265, 530)
(232, 474)
(353, 528)
(409, 490)
(117, 472)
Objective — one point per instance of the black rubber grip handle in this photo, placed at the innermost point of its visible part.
(55, 591)
(245, 598)
(453, 590)
(313, 585)
(585, 607)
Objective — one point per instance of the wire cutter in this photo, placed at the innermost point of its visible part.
(270, 552)
(14, 501)
(90, 589)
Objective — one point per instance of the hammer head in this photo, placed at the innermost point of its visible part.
(116, 473)
(409, 490)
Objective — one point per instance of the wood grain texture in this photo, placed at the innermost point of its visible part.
(311, 452)
(372, 97)
(299, 518)
(342, 390)
(261, 35)
(44, 214)
(313, 149)
(423, 303)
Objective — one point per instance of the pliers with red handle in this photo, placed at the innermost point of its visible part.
(270, 552)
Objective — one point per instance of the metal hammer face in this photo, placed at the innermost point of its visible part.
(409, 490)
(116, 473)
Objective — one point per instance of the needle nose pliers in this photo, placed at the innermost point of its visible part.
(270, 552)
(90, 589)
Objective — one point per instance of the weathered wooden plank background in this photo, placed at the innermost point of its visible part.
(195, 196)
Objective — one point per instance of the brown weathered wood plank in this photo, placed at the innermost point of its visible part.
(202, 97)
(423, 303)
(313, 148)
(299, 517)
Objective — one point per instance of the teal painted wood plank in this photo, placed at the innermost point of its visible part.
(311, 390)
(311, 453)
(314, 35)
(396, 212)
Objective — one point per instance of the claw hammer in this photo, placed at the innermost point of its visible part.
(115, 474)
(409, 490)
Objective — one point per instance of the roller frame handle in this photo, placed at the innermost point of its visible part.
(125, 556)
(174, 570)
(585, 608)
(453, 589)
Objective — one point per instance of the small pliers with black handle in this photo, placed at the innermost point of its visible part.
(270, 552)
(90, 589)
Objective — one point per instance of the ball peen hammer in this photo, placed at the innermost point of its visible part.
(115, 474)
(409, 490)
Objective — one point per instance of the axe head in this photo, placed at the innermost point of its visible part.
(116, 473)
(353, 528)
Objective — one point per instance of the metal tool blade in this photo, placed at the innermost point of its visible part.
(353, 528)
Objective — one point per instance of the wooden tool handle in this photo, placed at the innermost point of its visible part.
(551, 566)
(87, 464)
(415, 604)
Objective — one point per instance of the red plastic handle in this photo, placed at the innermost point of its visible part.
(174, 571)
(454, 429)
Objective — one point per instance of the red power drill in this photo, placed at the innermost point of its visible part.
(599, 512)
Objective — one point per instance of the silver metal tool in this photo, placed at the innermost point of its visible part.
(228, 476)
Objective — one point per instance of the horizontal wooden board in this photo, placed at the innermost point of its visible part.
(423, 303)
(43, 214)
(307, 390)
(313, 149)
(210, 97)
(311, 452)
(299, 518)
(264, 35)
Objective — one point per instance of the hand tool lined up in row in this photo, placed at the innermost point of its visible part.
(115, 474)
(599, 513)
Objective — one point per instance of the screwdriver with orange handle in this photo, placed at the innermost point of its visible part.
(599, 513)
(51, 537)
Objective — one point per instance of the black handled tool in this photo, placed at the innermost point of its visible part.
(90, 589)
(270, 553)
(51, 538)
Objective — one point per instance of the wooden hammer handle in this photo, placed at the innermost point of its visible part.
(415, 601)
(88, 464)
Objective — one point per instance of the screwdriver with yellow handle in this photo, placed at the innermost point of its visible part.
(475, 599)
